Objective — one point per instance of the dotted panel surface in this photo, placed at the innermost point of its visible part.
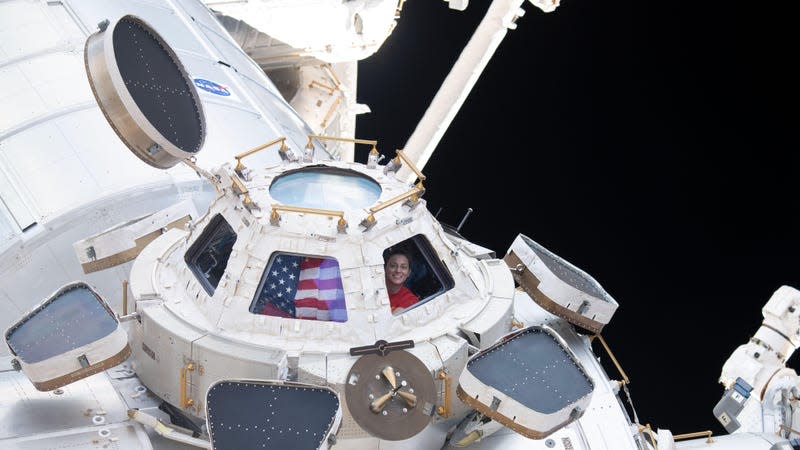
(533, 369)
(72, 319)
(567, 273)
(249, 415)
(157, 85)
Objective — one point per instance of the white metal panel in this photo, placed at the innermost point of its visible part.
(8, 226)
(27, 104)
(330, 30)
(142, 277)
(159, 15)
(218, 358)
(737, 441)
(30, 34)
(59, 79)
(9, 309)
(28, 28)
(280, 114)
(52, 175)
(121, 436)
(15, 215)
(24, 410)
(107, 162)
(88, 414)
(564, 439)
(162, 348)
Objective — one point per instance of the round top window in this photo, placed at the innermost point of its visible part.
(325, 188)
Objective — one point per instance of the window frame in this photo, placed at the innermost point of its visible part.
(421, 251)
(216, 225)
(264, 277)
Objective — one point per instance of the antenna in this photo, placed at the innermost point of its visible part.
(469, 211)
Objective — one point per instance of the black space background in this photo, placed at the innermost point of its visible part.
(649, 143)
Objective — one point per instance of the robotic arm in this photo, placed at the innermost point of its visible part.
(761, 393)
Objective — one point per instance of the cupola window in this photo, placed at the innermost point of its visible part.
(301, 287)
(208, 256)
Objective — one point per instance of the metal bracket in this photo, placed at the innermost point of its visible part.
(381, 348)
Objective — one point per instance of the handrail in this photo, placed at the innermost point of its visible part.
(192, 163)
(324, 86)
(613, 359)
(410, 164)
(787, 428)
(446, 409)
(274, 217)
(414, 194)
(185, 401)
(311, 138)
(124, 297)
(399, 8)
(238, 185)
(707, 433)
(331, 111)
(240, 166)
(329, 70)
(649, 431)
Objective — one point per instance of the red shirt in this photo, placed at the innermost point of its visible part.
(402, 299)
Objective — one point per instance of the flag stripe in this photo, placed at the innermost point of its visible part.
(306, 288)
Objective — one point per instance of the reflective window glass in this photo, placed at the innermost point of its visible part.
(325, 188)
(414, 274)
(75, 317)
(209, 254)
(301, 287)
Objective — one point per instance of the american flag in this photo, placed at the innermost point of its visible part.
(305, 288)
(280, 286)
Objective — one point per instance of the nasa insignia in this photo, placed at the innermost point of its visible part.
(212, 87)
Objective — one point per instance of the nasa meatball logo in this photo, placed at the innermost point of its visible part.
(210, 86)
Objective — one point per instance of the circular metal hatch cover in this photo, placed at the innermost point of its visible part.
(144, 92)
(391, 397)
